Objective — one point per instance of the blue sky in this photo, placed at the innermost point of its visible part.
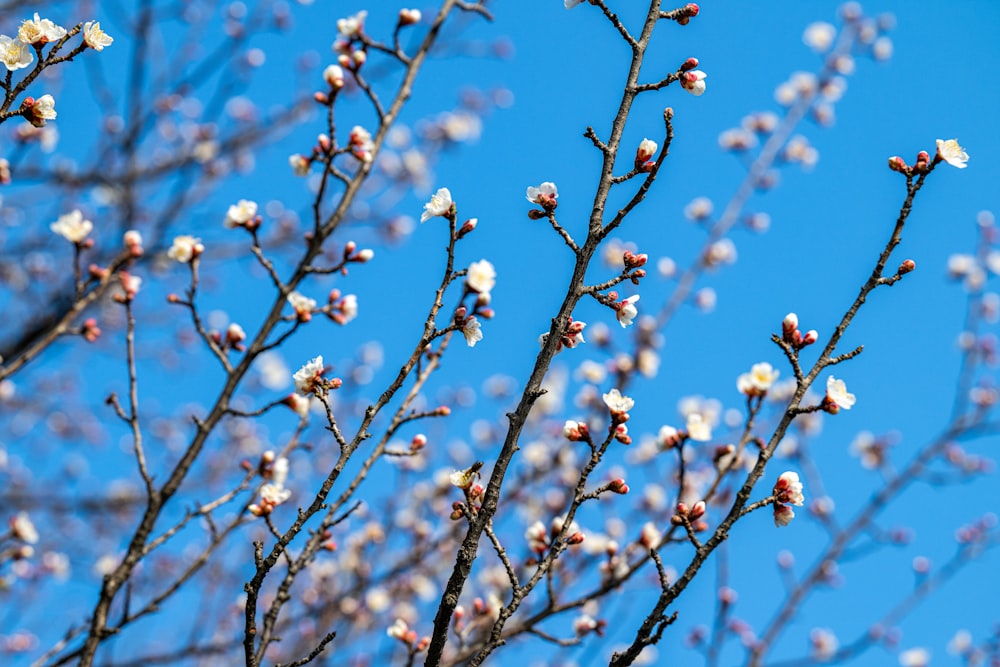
(563, 71)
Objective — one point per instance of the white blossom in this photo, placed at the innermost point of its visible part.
(819, 36)
(240, 213)
(44, 109)
(351, 26)
(758, 380)
(439, 204)
(951, 152)
(305, 377)
(96, 38)
(627, 311)
(72, 226)
(301, 304)
(694, 82)
(616, 402)
(40, 31)
(23, 528)
(545, 194)
(698, 428)
(14, 53)
(472, 330)
(481, 276)
(185, 248)
(789, 489)
(836, 392)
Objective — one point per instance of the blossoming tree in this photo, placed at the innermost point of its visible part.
(403, 498)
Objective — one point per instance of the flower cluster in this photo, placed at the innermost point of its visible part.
(787, 491)
(274, 492)
(571, 336)
(545, 195)
(790, 333)
(309, 379)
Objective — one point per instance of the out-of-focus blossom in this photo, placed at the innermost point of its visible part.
(758, 380)
(352, 26)
(23, 528)
(72, 226)
(185, 249)
(819, 36)
(698, 428)
(240, 213)
(481, 277)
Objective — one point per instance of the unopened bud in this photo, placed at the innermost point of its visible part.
(467, 226)
(789, 325)
(536, 214)
(810, 337)
(618, 486)
(689, 64)
(409, 16)
(321, 98)
(697, 511)
(575, 538)
(897, 163)
(907, 266)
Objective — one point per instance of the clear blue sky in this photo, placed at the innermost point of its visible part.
(564, 72)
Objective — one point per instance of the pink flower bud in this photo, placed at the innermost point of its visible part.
(897, 163)
(618, 486)
(409, 17)
(907, 266)
(359, 58)
(90, 331)
(810, 337)
(574, 539)
(697, 511)
(788, 326)
(689, 64)
(468, 226)
(321, 98)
